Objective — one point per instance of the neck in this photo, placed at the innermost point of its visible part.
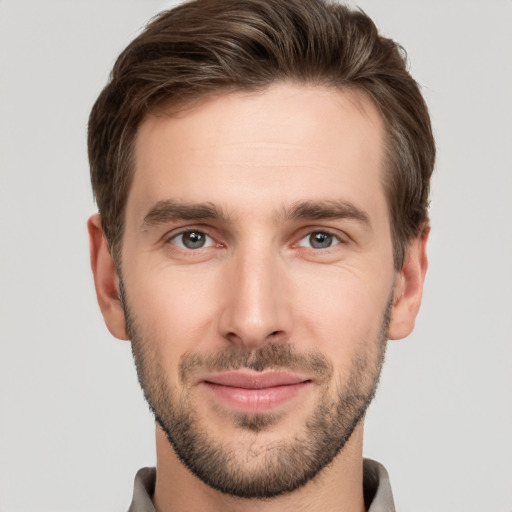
(338, 487)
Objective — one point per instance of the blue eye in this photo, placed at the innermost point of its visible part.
(319, 240)
(192, 240)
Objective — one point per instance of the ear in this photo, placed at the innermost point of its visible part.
(409, 288)
(106, 279)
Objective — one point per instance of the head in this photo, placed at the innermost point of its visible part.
(261, 170)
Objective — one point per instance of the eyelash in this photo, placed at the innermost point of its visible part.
(332, 239)
(190, 231)
(336, 240)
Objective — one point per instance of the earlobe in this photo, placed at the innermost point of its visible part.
(409, 288)
(106, 279)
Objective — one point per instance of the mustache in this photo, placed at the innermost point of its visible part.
(272, 356)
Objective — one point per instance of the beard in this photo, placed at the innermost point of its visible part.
(282, 466)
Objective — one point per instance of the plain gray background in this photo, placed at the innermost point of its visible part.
(73, 425)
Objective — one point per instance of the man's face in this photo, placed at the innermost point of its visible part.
(257, 278)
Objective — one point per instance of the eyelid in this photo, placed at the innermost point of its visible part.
(175, 233)
(209, 241)
(340, 236)
(335, 238)
(184, 228)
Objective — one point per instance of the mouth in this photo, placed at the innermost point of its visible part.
(250, 392)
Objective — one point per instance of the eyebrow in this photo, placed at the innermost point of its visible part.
(170, 210)
(328, 209)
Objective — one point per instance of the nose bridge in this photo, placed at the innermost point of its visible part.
(256, 309)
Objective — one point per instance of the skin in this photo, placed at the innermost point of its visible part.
(258, 280)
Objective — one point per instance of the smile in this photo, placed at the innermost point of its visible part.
(251, 392)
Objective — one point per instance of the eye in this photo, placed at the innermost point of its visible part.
(319, 240)
(192, 240)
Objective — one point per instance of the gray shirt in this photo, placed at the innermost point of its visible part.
(377, 489)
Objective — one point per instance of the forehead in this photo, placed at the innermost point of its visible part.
(286, 143)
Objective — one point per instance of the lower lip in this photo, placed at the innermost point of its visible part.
(256, 400)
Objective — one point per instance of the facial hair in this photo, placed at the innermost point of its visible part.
(284, 466)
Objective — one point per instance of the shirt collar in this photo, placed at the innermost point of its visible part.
(377, 488)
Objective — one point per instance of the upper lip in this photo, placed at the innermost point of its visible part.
(254, 380)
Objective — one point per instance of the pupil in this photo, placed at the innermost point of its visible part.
(193, 240)
(321, 240)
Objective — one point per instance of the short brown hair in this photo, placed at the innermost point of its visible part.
(206, 47)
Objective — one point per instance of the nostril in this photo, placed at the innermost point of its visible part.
(274, 333)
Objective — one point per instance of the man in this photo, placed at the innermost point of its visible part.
(262, 172)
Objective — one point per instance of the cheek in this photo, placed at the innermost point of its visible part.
(173, 310)
(342, 312)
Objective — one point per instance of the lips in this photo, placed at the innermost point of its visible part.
(251, 392)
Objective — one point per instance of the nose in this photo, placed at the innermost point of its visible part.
(255, 309)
